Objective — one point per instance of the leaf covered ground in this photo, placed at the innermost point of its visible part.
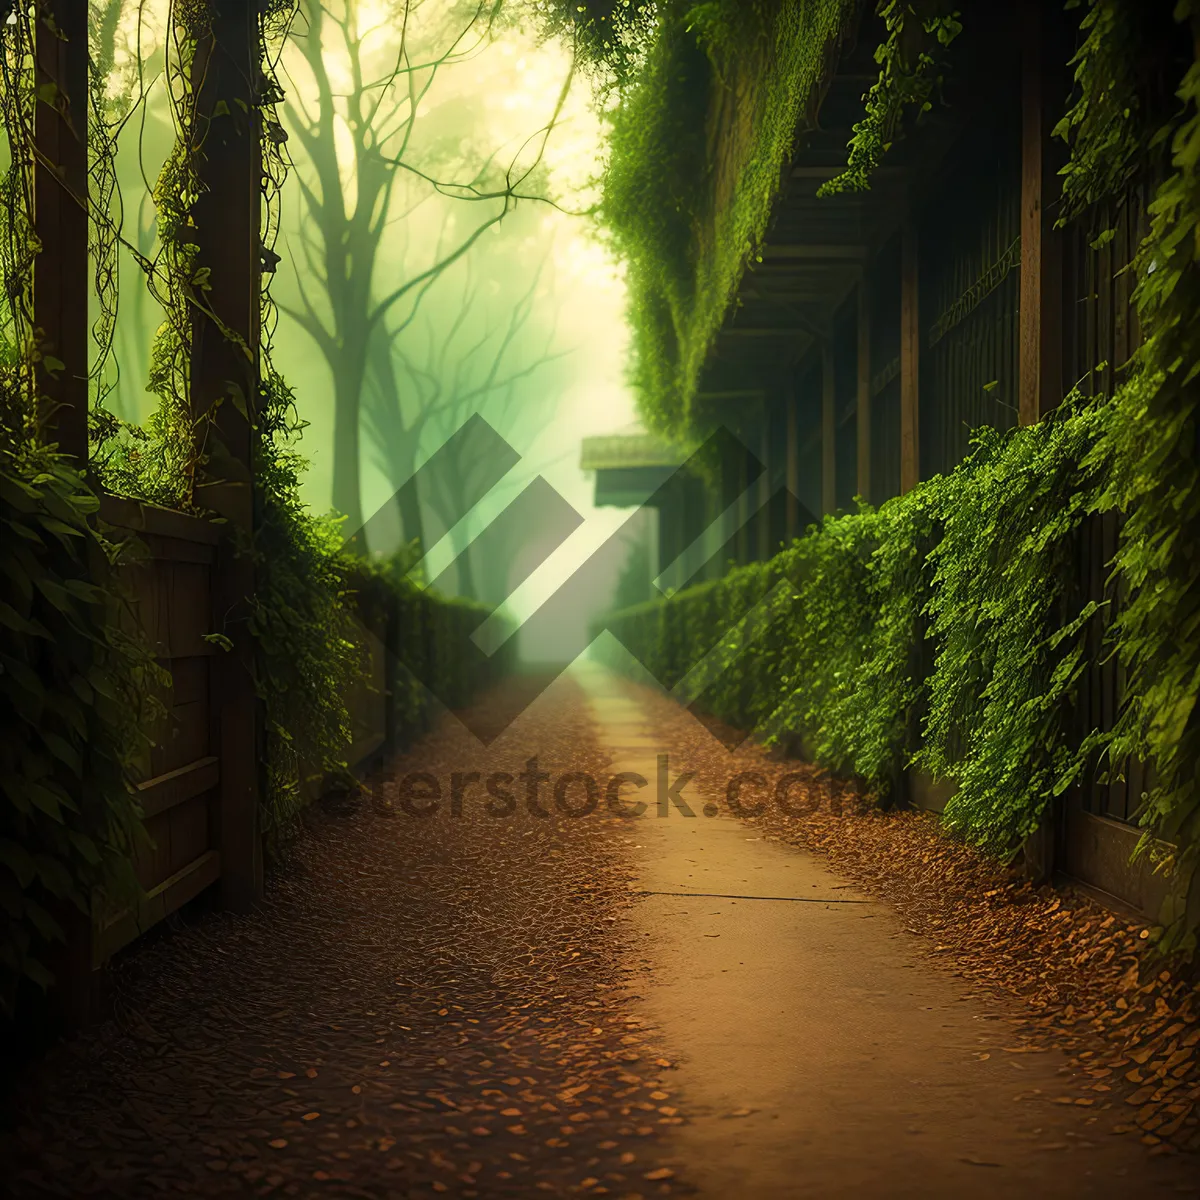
(421, 1007)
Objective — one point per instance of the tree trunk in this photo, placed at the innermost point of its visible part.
(411, 521)
(466, 568)
(347, 390)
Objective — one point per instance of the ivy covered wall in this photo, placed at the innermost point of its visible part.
(708, 101)
(943, 629)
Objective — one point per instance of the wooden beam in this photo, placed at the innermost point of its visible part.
(759, 331)
(809, 324)
(815, 274)
(828, 430)
(910, 360)
(880, 175)
(60, 321)
(821, 297)
(1040, 373)
(224, 395)
(60, 189)
(863, 391)
(165, 791)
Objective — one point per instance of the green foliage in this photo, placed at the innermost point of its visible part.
(940, 629)
(78, 690)
(910, 73)
(20, 353)
(307, 649)
(1009, 626)
(1122, 97)
(1152, 443)
(77, 685)
(945, 628)
(157, 463)
(610, 36)
(700, 133)
(427, 637)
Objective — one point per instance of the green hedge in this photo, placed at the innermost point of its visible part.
(948, 630)
(941, 629)
(312, 603)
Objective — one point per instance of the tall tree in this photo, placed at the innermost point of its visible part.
(429, 378)
(357, 97)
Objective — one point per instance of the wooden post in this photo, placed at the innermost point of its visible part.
(224, 387)
(792, 518)
(60, 330)
(60, 188)
(863, 391)
(910, 360)
(828, 429)
(1040, 375)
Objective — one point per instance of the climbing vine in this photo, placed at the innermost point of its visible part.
(707, 102)
(1008, 629)
(79, 687)
(308, 650)
(940, 629)
(1152, 443)
(157, 463)
(965, 641)
(911, 60)
(78, 684)
(1123, 97)
(19, 351)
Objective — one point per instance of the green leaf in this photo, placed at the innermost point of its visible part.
(38, 973)
(18, 860)
(62, 750)
(234, 391)
(44, 923)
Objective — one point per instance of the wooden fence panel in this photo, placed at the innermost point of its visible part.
(173, 602)
(970, 284)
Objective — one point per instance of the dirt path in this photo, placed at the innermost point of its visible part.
(818, 1051)
(423, 1006)
(473, 1004)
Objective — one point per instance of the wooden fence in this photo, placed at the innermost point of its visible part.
(180, 782)
(180, 786)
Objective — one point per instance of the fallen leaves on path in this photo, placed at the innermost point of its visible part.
(419, 1006)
